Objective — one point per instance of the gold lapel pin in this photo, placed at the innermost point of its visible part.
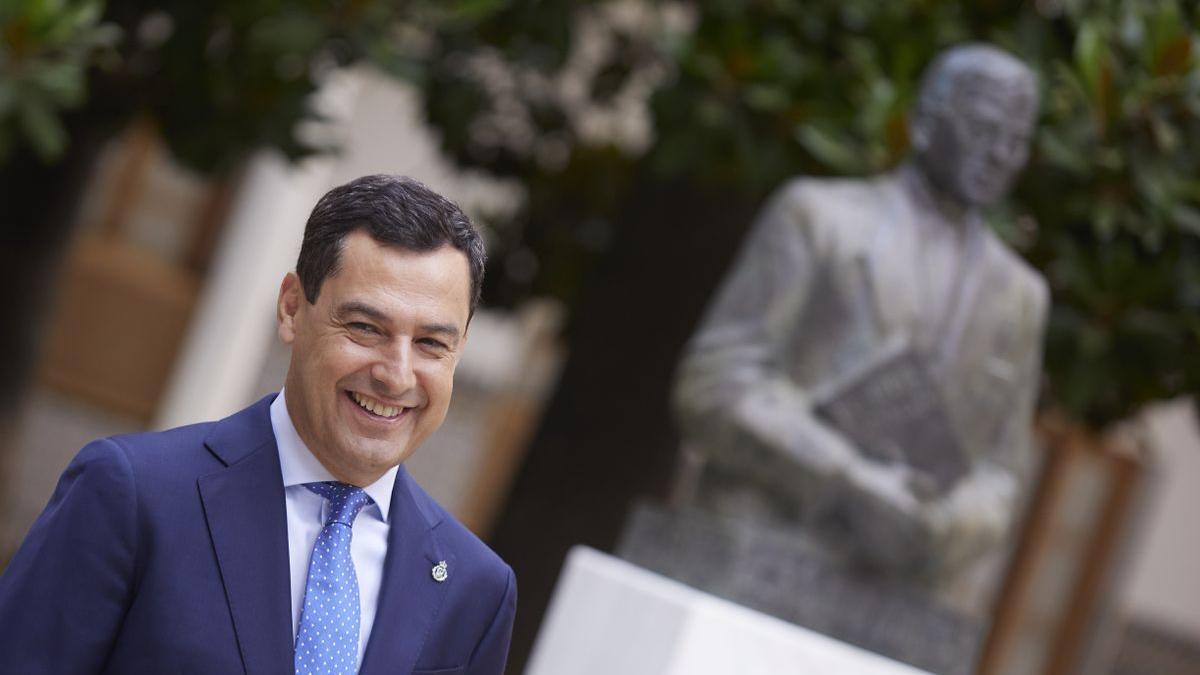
(440, 572)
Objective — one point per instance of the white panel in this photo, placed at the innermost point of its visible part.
(1164, 586)
(609, 616)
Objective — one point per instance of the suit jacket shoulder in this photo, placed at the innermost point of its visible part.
(1029, 277)
(1009, 271)
(833, 213)
(172, 454)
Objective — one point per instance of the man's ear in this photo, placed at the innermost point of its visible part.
(291, 295)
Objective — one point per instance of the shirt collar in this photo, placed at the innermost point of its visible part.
(300, 466)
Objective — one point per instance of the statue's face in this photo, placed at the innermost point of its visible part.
(974, 147)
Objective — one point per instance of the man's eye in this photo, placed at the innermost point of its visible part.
(359, 327)
(433, 343)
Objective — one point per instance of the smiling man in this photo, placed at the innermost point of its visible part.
(287, 537)
(374, 353)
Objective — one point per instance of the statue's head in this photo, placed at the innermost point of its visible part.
(972, 123)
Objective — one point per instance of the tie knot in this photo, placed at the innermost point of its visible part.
(345, 501)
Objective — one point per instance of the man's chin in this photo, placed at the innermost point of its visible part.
(369, 459)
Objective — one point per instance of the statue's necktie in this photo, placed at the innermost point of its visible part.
(327, 640)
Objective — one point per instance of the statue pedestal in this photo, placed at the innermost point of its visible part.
(609, 617)
(781, 573)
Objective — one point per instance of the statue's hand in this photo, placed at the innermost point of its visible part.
(971, 519)
(888, 484)
(889, 522)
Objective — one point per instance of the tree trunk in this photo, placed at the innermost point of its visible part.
(607, 438)
(41, 204)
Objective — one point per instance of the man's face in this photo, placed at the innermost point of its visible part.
(373, 358)
(975, 148)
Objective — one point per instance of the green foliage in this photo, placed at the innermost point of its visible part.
(223, 77)
(1115, 192)
(218, 77)
(46, 48)
(758, 90)
(582, 101)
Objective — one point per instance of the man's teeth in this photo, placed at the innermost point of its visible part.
(375, 406)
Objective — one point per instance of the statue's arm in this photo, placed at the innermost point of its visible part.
(732, 396)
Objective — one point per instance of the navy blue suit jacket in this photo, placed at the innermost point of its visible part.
(168, 553)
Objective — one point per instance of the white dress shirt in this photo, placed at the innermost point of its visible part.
(306, 513)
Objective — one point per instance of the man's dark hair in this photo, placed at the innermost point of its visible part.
(394, 210)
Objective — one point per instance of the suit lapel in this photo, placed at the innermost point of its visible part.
(888, 263)
(983, 353)
(963, 306)
(409, 597)
(247, 520)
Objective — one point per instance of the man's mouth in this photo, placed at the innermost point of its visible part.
(375, 407)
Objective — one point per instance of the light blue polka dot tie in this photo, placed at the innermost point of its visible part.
(327, 640)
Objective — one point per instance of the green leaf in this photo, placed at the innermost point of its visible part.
(766, 98)
(61, 82)
(1187, 218)
(1061, 153)
(827, 149)
(84, 15)
(476, 10)
(1090, 52)
(42, 128)
(1105, 221)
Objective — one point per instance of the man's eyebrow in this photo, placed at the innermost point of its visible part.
(447, 329)
(355, 307)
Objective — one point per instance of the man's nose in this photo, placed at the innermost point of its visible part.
(393, 370)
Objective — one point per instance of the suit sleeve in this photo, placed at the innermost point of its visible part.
(65, 592)
(492, 651)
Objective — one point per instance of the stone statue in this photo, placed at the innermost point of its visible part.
(868, 369)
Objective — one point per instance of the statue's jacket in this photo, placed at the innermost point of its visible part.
(827, 281)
